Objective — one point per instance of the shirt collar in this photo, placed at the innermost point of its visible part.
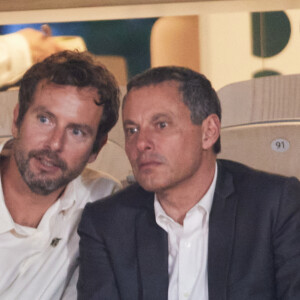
(205, 203)
(207, 199)
(69, 197)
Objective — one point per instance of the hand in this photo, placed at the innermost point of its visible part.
(41, 43)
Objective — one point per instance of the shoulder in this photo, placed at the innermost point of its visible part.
(132, 196)
(98, 179)
(245, 173)
(92, 185)
(121, 205)
(116, 215)
(256, 184)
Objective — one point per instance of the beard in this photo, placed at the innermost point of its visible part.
(41, 182)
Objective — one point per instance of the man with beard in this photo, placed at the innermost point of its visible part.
(67, 105)
(194, 227)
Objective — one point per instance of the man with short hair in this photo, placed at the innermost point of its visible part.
(193, 227)
(67, 105)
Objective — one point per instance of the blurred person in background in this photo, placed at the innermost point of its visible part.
(20, 50)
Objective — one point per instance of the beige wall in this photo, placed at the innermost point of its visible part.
(36, 11)
(226, 49)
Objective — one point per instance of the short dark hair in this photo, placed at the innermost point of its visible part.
(76, 69)
(197, 91)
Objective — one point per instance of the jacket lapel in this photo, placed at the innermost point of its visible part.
(152, 243)
(221, 234)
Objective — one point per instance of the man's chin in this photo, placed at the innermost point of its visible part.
(45, 185)
(149, 183)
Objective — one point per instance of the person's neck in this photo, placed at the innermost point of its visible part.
(26, 208)
(178, 200)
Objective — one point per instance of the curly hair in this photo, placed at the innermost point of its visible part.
(76, 69)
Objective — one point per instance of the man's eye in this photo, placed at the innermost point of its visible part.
(162, 125)
(131, 130)
(43, 119)
(77, 132)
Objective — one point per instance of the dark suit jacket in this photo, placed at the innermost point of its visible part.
(253, 248)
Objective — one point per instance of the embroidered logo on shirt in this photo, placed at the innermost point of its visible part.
(55, 242)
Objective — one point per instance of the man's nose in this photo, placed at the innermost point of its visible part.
(56, 139)
(144, 140)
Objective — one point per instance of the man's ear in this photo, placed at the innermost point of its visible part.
(211, 127)
(94, 155)
(15, 128)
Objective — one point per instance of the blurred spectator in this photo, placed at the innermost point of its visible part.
(18, 51)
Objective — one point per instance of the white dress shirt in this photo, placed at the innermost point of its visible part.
(38, 263)
(188, 246)
(15, 58)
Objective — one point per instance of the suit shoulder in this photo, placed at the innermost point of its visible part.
(119, 210)
(241, 171)
(132, 196)
(257, 184)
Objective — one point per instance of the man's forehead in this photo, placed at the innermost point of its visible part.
(48, 84)
(167, 86)
(151, 102)
(84, 93)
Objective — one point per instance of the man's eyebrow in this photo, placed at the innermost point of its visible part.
(128, 122)
(154, 118)
(43, 109)
(157, 116)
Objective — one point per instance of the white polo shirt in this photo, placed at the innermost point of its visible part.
(37, 263)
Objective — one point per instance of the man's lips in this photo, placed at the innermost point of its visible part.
(148, 164)
(149, 161)
(47, 159)
(47, 164)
